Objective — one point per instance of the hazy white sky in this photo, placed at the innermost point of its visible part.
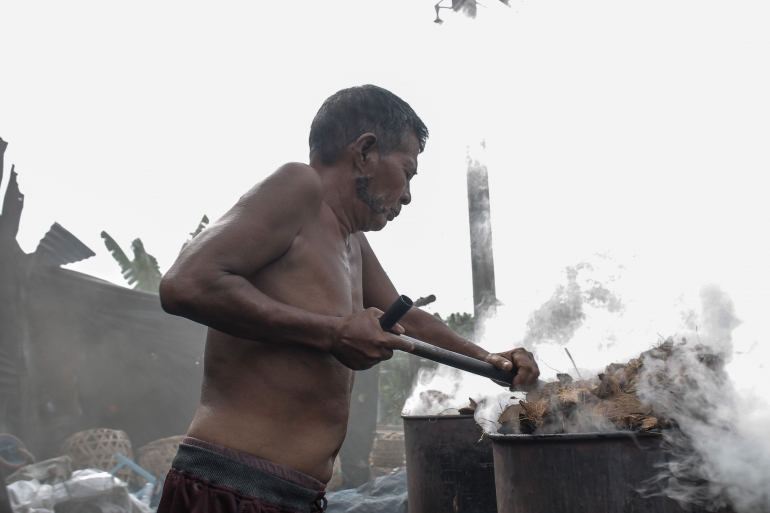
(635, 128)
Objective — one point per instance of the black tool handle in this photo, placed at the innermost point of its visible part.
(438, 354)
(395, 312)
(459, 361)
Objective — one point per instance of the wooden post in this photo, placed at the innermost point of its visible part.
(482, 260)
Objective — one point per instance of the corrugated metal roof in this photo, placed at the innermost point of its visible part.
(59, 247)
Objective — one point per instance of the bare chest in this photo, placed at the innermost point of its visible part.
(320, 272)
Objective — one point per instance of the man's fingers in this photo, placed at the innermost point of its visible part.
(402, 344)
(397, 328)
(527, 376)
(499, 362)
(524, 383)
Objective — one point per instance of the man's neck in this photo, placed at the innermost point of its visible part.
(339, 195)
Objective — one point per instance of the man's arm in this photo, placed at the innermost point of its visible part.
(379, 292)
(208, 283)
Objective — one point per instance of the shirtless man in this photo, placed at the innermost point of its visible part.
(291, 292)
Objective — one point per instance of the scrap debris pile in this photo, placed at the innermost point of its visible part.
(94, 474)
(51, 486)
(607, 402)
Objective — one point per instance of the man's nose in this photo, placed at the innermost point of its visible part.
(406, 198)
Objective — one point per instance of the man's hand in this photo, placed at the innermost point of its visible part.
(520, 359)
(361, 343)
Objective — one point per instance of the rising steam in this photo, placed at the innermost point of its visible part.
(721, 452)
(557, 320)
(718, 455)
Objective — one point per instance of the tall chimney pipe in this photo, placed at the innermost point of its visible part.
(482, 260)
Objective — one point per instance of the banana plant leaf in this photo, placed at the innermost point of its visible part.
(143, 272)
(126, 268)
(201, 226)
(146, 269)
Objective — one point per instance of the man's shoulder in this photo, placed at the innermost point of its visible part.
(299, 176)
(292, 182)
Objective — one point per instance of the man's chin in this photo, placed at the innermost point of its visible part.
(377, 224)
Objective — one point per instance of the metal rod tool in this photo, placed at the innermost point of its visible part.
(438, 354)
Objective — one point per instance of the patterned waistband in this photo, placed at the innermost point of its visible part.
(249, 475)
(277, 470)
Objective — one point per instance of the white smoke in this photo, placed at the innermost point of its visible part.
(585, 308)
(444, 390)
(721, 453)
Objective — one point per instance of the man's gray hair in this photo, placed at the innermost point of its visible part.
(349, 113)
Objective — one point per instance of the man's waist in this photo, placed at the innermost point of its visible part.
(277, 470)
(248, 475)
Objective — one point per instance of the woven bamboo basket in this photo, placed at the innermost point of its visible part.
(156, 457)
(388, 451)
(96, 448)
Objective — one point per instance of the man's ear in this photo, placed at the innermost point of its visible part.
(364, 148)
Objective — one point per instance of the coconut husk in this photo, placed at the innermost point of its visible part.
(564, 403)
(599, 403)
(633, 367)
(648, 423)
(631, 384)
(536, 396)
(544, 393)
(551, 388)
(609, 386)
(532, 416)
(576, 395)
(509, 420)
(661, 352)
(470, 409)
(569, 396)
(621, 407)
(510, 414)
(613, 368)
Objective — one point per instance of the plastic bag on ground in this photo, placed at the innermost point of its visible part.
(30, 497)
(86, 484)
(50, 471)
(87, 491)
(386, 494)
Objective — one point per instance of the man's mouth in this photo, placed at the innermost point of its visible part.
(393, 213)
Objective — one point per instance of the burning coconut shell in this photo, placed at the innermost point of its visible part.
(608, 401)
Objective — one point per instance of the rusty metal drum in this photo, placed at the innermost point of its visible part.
(586, 472)
(448, 469)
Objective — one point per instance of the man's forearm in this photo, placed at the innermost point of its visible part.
(232, 305)
(424, 326)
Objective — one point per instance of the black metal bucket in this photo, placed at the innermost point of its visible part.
(587, 472)
(448, 469)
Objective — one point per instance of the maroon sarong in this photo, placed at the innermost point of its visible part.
(208, 478)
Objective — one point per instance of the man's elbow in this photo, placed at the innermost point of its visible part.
(176, 297)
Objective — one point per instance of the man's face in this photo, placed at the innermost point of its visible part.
(385, 187)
